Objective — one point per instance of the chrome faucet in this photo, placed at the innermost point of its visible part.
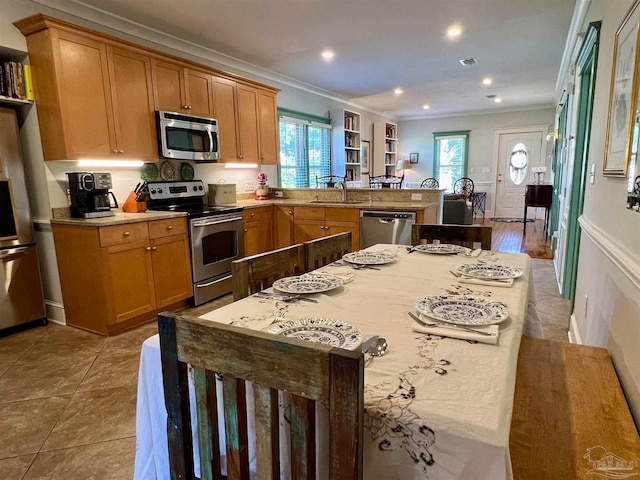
(343, 185)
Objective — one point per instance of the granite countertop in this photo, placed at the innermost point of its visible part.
(364, 205)
(120, 217)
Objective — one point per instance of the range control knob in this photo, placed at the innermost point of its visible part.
(153, 190)
(200, 187)
(195, 188)
(159, 190)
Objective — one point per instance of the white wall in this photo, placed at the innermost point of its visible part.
(607, 302)
(417, 136)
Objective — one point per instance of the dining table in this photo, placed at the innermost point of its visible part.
(438, 403)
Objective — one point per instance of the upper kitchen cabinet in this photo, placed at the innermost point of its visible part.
(98, 94)
(247, 122)
(345, 146)
(183, 90)
(385, 148)
(95, 98)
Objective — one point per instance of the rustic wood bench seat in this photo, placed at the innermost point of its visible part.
(570, 418)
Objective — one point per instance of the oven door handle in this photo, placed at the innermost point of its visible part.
(206, 223)
(208, 284)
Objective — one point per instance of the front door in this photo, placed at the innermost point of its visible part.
(517, 154)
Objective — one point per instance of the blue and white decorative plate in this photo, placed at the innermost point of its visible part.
(489, 272)
(441, 248)
(463, 310)
(307, 283)
(368, 258)
(320, 330)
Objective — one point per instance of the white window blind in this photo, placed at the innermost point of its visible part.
(305, 151)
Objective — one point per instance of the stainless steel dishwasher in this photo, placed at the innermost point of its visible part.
(385, 227)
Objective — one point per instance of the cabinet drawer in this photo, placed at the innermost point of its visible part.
(122, 234)
(256, 214)
(309, 213)
(342, 214)
(168, 227)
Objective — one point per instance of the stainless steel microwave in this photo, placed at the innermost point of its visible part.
(187, 137)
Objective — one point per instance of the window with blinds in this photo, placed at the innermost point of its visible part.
(305, 149)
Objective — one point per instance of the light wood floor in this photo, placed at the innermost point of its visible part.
(509, 237)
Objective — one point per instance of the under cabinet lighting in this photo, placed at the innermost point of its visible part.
(240, 165)
(111, 163)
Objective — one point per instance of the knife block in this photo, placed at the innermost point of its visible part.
(131, 206)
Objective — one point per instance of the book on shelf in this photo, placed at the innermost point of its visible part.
(28, 82)
(13, 82)
(391, 131)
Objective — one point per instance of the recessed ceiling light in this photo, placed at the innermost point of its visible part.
(497, 100)
(327, 54)
(426, 106)
(454, 31)
(398, 91)
(487, 81)
(467, 62)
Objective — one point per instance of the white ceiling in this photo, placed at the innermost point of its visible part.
(381, 45)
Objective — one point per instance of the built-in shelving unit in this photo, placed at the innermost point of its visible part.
(345, 145)
(385, 148)
(18, 57)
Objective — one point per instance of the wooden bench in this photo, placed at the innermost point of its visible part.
(570, 418)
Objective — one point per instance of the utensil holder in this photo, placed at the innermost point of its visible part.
(131, 206)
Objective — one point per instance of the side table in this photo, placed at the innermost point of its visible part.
(479, 203)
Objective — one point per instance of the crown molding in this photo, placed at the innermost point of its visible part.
(494, 111)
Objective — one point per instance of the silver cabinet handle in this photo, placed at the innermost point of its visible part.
(170, 227)
(148, 249)
(126, 234)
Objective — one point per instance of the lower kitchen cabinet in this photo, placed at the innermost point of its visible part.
(317, 222)
(258, 230)
(283, 235)
(118, 276)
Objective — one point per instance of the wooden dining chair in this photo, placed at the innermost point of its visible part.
(325, 250)
(310, 372)
(465, 235)
(386, 181)
(257, 272)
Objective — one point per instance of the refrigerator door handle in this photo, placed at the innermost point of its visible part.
(12, 252)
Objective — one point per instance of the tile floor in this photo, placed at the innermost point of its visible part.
(68, 397)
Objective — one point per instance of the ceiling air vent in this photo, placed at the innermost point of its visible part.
(467, 62)
(491, 96)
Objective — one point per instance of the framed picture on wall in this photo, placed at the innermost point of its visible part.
(622, 96)
(413, 157)
(364, 147)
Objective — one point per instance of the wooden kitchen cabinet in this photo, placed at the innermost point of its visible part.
(183, 90)
(97, 96)
(93, 101)
(283, 235)
(258, 230)
(118, 276)
(317, 222)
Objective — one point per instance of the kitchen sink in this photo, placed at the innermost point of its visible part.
(337, 202)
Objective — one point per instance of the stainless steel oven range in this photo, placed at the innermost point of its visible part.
(216, 235)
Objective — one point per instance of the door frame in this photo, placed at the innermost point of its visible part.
(497, 132)
(587, 61)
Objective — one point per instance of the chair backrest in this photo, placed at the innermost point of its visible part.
(430, 183)
(464, 186)
(386, 181)
(325, 250)
(329, 181)
(466, 235)
(257, 272)
(229, 356)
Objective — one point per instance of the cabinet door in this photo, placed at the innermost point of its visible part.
(199, 93)
(171, 269)
(248, 123)
(268, 128)
(334, 228)
(130, 279)
(168, 86)
(284, 231)
(257, 238)
(85, 97)
(132, 93)
(224, 103)
(305, 230)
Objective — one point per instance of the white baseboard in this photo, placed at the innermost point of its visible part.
(574, 332)
(55, 312)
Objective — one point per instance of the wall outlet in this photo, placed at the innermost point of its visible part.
(279, 194)
(486, 169)
(416, 196)
(248, 186)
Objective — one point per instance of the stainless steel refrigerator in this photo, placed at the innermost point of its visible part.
(21, 299)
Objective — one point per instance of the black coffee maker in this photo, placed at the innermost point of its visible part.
(90, 195)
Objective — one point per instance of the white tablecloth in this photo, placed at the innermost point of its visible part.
(436, 408)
